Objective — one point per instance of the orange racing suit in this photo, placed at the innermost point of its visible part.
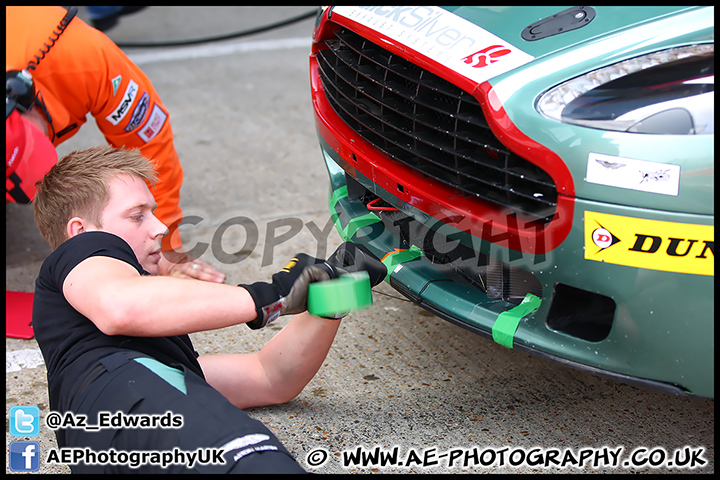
(85, 72)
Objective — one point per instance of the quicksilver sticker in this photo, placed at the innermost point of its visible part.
(442, 36)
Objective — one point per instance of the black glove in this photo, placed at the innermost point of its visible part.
(287, 294)
(352, 257)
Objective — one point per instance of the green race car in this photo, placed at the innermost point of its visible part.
(540, 175)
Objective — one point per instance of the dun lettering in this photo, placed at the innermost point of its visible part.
(676, 247)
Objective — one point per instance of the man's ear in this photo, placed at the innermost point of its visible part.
(76, 226)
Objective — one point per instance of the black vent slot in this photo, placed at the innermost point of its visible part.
(429, 124)
(580, 313)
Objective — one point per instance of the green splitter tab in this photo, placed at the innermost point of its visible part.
(338, 297)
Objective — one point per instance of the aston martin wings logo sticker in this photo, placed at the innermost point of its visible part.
(443, 37)
(632, 174)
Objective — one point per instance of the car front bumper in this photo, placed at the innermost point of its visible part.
(661, 333)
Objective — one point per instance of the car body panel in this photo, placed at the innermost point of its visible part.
(662, 331)
(519, 90)
(509, 22)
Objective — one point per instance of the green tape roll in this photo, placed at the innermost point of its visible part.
(338, 297)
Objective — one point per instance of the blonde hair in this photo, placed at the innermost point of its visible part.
(77, 186)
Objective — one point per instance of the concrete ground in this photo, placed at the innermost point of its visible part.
(397, 378)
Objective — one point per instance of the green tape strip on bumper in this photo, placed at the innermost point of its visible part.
(395, 258)
(504, 328)
(358, 222)
(355, 223)
(334, 198)
(336, 195)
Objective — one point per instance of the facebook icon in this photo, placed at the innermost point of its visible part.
(24, 456)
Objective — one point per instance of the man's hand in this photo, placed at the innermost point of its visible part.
(181, 265)
(352, 257)
(295, 278)
(287, 294)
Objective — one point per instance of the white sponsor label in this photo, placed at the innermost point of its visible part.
(653, 177)
(443, 37)
(153, 125)
(125, 103)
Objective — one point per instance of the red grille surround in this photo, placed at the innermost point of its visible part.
(353, 121)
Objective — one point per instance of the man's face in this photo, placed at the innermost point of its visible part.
(129, 215)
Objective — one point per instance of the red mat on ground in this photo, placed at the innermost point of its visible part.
(18, 315)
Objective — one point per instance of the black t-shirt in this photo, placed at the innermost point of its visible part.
(70, 343)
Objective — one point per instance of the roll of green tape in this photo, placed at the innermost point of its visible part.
(340, 296)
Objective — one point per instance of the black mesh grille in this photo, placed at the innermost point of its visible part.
(428, 124)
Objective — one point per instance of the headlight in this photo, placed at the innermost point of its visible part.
(669, 92)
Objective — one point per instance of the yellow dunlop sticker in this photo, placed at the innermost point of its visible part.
(652, 244)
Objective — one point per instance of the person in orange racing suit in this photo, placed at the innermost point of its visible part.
(79, 70)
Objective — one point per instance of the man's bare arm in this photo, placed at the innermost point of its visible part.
(280, 370)
(119, 301)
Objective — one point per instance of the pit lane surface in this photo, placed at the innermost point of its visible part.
(396, 375)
